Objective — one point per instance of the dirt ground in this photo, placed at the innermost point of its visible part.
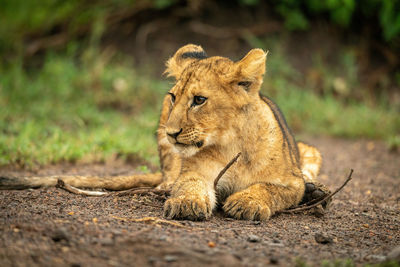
(52, 227)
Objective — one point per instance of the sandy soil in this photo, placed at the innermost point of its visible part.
(51, 227)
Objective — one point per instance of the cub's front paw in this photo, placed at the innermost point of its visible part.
(188, 207)
(242, 205)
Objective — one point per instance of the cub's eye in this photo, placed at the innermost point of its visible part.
(244, 83)
(172, 98)
(198, 100)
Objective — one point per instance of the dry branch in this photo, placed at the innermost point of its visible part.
(308, 206)
(222, 172)
(165, 193)
(134, 191)
(142, 191)
(153, 220)
(71, 189)
(139, 190)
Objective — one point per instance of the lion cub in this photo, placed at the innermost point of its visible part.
(214, 111)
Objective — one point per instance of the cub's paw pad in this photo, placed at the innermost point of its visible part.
(314, 191)
(187, 208)
(242, 207)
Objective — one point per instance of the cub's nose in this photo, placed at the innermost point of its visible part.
(173, 133)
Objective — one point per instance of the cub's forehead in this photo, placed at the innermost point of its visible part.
(207, 69)
(202, 73)
(217, 65)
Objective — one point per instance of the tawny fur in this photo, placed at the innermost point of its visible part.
(196, 141)
(267, 177)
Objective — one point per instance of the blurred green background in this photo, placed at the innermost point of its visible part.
(82, 80)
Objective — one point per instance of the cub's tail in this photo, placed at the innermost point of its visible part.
(310, 161)
(111, 182)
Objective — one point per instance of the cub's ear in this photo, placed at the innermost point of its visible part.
(182, 58)
(250, 69)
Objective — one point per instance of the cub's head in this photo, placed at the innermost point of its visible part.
(210, 97)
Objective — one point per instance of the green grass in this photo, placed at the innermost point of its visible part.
(71, 110)
(19, 18)
(307, 112)
(96, 106)
(325, 109)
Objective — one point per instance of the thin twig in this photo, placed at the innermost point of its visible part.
(154, 220)
(71, 189)
(142, 190)
(297, 209)
(138, 190)
(162, 192)
(134, 191)
(222, 172)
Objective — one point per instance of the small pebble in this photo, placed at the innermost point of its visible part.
(211, 244)
(376, 258)
(152, 259)
(319, 211)
(107, 241)
(253, 239)
(322, 239)
(116, 232)
(223, 241)
(170, 258)
(273, 260)
(59, 235)
(163, 238)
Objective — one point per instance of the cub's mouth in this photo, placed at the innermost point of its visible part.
(186, 140)
(198, 144)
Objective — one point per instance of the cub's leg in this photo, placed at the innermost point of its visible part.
(260, 201)
(192, 198)
(170, 164)
(310, 161)
(310, 164)
(170, 160)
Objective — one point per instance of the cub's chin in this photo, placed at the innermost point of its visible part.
(188, 150)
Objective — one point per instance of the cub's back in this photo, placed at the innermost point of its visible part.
(289, 143)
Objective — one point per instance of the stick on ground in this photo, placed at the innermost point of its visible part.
(148, 190)
(71, 189)
(153, 220)
(297, 209)
(136, 191)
